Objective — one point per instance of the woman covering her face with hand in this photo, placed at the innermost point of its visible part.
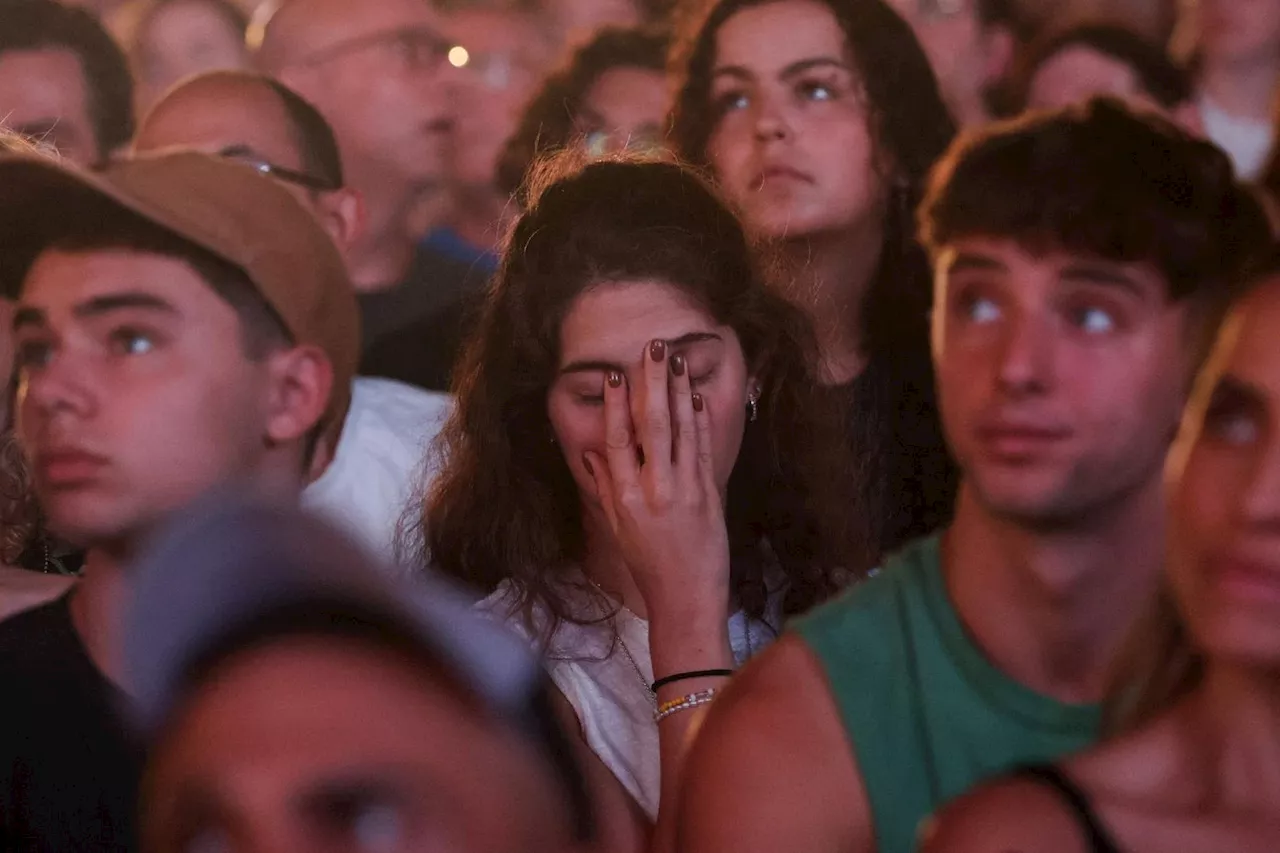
(641, 468)
(822, 140)
(1195, 766)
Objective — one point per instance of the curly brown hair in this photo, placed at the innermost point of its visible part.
(548, 122)
(505, 506)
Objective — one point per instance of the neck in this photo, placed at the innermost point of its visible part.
(1244, 88)
(830, 275)
(970, 109)
(480, 216)
(1231, 724)
(381, 258)
(97, 608)
(1051, 609)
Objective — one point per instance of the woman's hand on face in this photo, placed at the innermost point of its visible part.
(666, 511)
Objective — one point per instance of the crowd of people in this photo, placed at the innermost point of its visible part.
(839, 426)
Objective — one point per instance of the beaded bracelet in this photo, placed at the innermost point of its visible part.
(684, 703)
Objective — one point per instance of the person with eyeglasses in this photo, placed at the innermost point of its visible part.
(365, 482)
(971, 45)
(376, 70)
(496, 65)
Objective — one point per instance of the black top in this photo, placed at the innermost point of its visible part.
(69, 770)
(434, 284)
(424, 352)
(1096, 835)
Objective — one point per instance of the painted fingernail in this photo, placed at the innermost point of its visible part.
(658, 350)
(615, 379)
(677, 365)
(697, 402)
(586, 463)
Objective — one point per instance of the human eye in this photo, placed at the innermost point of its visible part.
(1231, 420)
(730, 101)
(32, 354)
(1092, 318)
(817, 89)
(129, 341)
(978, 308)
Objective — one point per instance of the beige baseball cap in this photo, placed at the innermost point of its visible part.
(222, 206)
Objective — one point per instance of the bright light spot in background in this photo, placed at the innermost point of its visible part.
(458, 56)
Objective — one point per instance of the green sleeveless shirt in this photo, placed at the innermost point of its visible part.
(928, 716)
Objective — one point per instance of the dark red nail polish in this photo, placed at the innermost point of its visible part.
(615, 379)
(697, 402)
(677, 365)
(658, 350)
(586, 463)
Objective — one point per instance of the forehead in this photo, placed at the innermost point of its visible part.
(212, 116)
(629, 90)
(188, 18)
(60, 280)
(1033, 272)
(749, 39)
(1083, 61)
(616, 320)
(48, 79)
(1255, 324)
(305, 26)
(493, 29)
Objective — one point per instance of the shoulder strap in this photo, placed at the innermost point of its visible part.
(1052, 777)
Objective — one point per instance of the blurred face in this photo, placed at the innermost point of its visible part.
(314, 745)
(44, 96)
(575, 20)
(609, 328)
(180, 39)
(1239, 30)
(965, 57)
(1077, 74)
(1060, 377)
(375, 70)
(506, 55)
(626, 108)
(136, 395)
(791, 145)
(1225, 492)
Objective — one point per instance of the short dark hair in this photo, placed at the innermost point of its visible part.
(1165, 82)
(1101, 180)
(548, 120)
(94, 226)
(43, 24)
(317, 145)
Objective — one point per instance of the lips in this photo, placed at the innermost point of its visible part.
(1249, 578)
(778, 172)
(66, 468)
(1021, 439)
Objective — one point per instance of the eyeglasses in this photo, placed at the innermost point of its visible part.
(939, 9)
(418, 47)
(244, 154)
(602, 143)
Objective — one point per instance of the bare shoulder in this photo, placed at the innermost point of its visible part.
(771, 768)
(22, 590)
(1005, 816)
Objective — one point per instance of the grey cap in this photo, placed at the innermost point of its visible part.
(231, 562)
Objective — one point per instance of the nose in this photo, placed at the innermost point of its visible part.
(771, 120)
(1026, 356)
(57, 389)
(1260, 499)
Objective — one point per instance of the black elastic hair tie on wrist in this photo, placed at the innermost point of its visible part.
(686, 676)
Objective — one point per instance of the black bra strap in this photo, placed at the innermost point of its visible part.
(1051, 777)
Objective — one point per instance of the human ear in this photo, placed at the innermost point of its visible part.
(301, 384)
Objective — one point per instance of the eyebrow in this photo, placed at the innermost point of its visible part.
(793, 70)
(970, 262)
(1235, 391)
(1097, 273)
(97, 307)
(589, 366)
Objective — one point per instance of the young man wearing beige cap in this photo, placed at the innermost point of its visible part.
(183, 324)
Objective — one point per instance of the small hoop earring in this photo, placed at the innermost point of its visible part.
(753, 409)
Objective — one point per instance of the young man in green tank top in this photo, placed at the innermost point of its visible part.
(1079, 257)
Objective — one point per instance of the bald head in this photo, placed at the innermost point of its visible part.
(294, 31)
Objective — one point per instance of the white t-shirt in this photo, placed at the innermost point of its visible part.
(381, 460)
(1247, 141)
(600, 680)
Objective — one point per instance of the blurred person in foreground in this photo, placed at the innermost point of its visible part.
(298, 700)
(1194, 713)
(244, 116)
(183, 324)
(1236, 62)
(63, 81)
(1073, 298)
(1103, 59)
(170, 40)
(971, 45)
(378, 73)
(498, 61)
(611, 97)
